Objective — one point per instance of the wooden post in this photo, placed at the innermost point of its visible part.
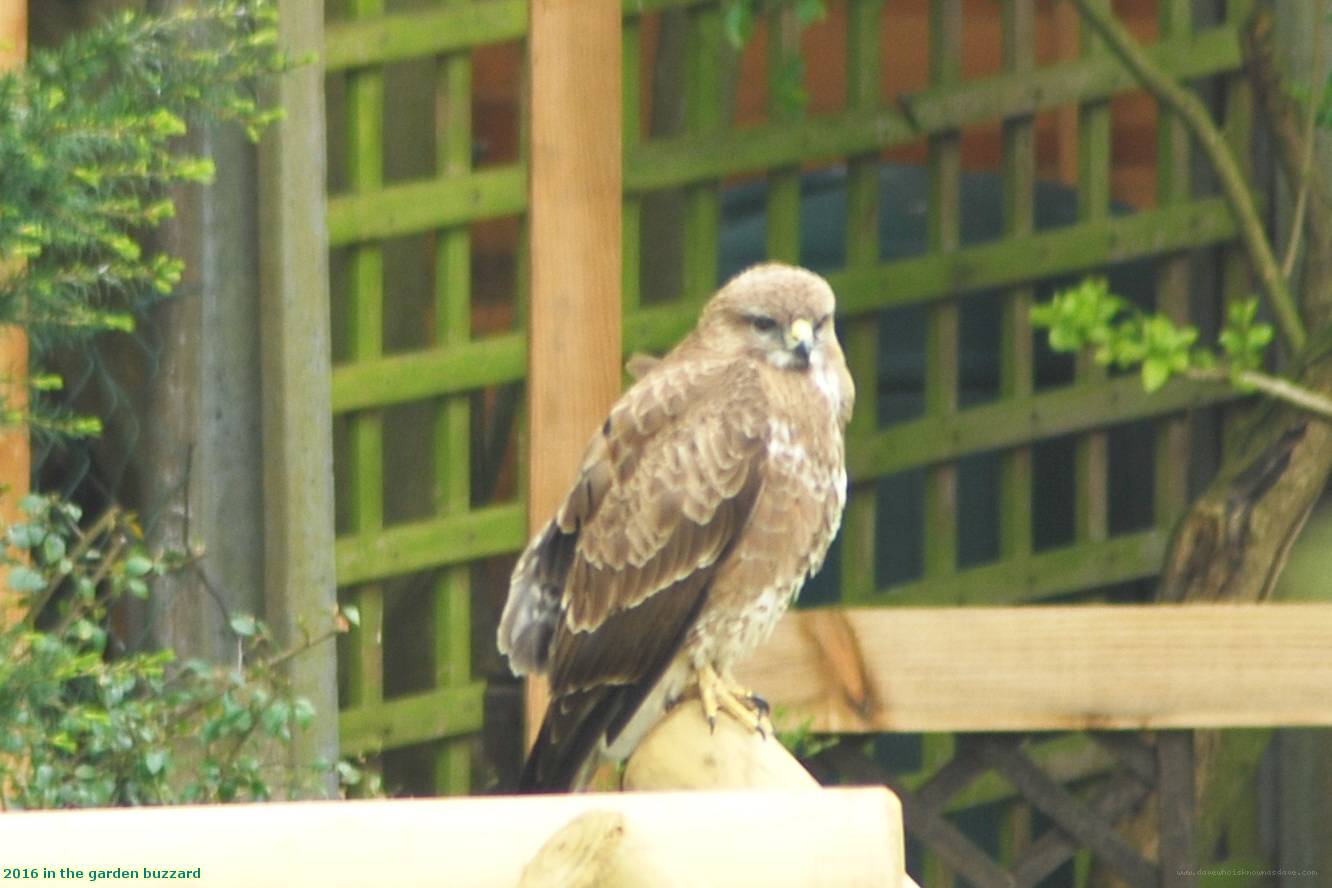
(683, 752)
(15, 453)
(575, 192)
(296, 354)
(843, 836)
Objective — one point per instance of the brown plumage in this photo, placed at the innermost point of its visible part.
(710, 494)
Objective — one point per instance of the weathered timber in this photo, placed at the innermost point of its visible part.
(574, 222)
(1050, 668)
(775, 838)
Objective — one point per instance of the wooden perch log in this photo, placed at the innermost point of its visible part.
(834, 837)
(683, 753)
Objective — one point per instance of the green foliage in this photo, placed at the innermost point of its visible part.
(90, 143)
(1089, 316)
(739, 18)
(85, 724)
(801, 741)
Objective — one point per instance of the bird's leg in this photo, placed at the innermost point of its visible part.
(722, 694)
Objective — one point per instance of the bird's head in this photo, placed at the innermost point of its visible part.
(776, 313)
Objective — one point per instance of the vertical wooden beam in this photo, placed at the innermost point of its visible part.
(200, 451)
(703, 114)
(631, 241)
(864, 66)
(297, 408)
(942, 347)
(363, 470)
(1174, 770)
(1016, 361)
(783, 206)
(1173, 186)
(1017, 346)
(1092, 497)
(575, 192)
(942, 352)
(453, 416)
(15, 452)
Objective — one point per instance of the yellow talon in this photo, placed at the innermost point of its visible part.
(742, 704)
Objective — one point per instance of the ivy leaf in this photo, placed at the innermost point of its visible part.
(24, 579)
(244, 625)
(1155, 373)
(156, 761)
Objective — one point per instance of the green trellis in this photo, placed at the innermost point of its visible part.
(366, 37)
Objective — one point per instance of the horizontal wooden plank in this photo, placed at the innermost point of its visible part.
(1044, 574)
(434, 715)
(1050, 668)
(1051, 253)
(1068, 250)
(666, 163)
(422, 545)
(412, 376)
(1007, 423)
(423, 33)
(777, 838)
(423, 206)
(393, 38)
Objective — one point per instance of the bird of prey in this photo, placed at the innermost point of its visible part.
(704, 501)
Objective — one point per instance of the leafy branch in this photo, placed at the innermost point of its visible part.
(1191, 111)
(82, 724)
(90, 143)
(1089, 316)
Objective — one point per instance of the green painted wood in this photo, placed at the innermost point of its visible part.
(1016, 357)
(414, 376)
(631, 218)
(364, 464)
(942, 353)
(445, 712)
(1172, 446)
(1091, 454)
(1044, 574)
(365, 663)
(1010, 423)
(703, 116)
(1076, 248)
(863, 290)
(863, 71)
(1069, 758)
(783, 200)
(437, 542)
(944, 224)
(372, 214)
(452, 493)
(697, 157)
(1236, 278)
(409, 35)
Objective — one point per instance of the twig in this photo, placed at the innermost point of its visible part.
(1274, 386)
(103, 525)
(1191, 111)
(1302, 200)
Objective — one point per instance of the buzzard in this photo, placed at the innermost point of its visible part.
(704, 501)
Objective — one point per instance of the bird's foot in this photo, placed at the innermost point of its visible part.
(720, 694)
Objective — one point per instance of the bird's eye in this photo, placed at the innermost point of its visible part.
(762, 323)
(820, 323)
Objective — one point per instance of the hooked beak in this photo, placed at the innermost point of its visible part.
(799, 339)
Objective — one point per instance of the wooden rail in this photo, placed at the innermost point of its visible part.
(1050, 668)
(847, 837)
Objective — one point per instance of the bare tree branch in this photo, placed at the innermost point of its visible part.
(1191, 111)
